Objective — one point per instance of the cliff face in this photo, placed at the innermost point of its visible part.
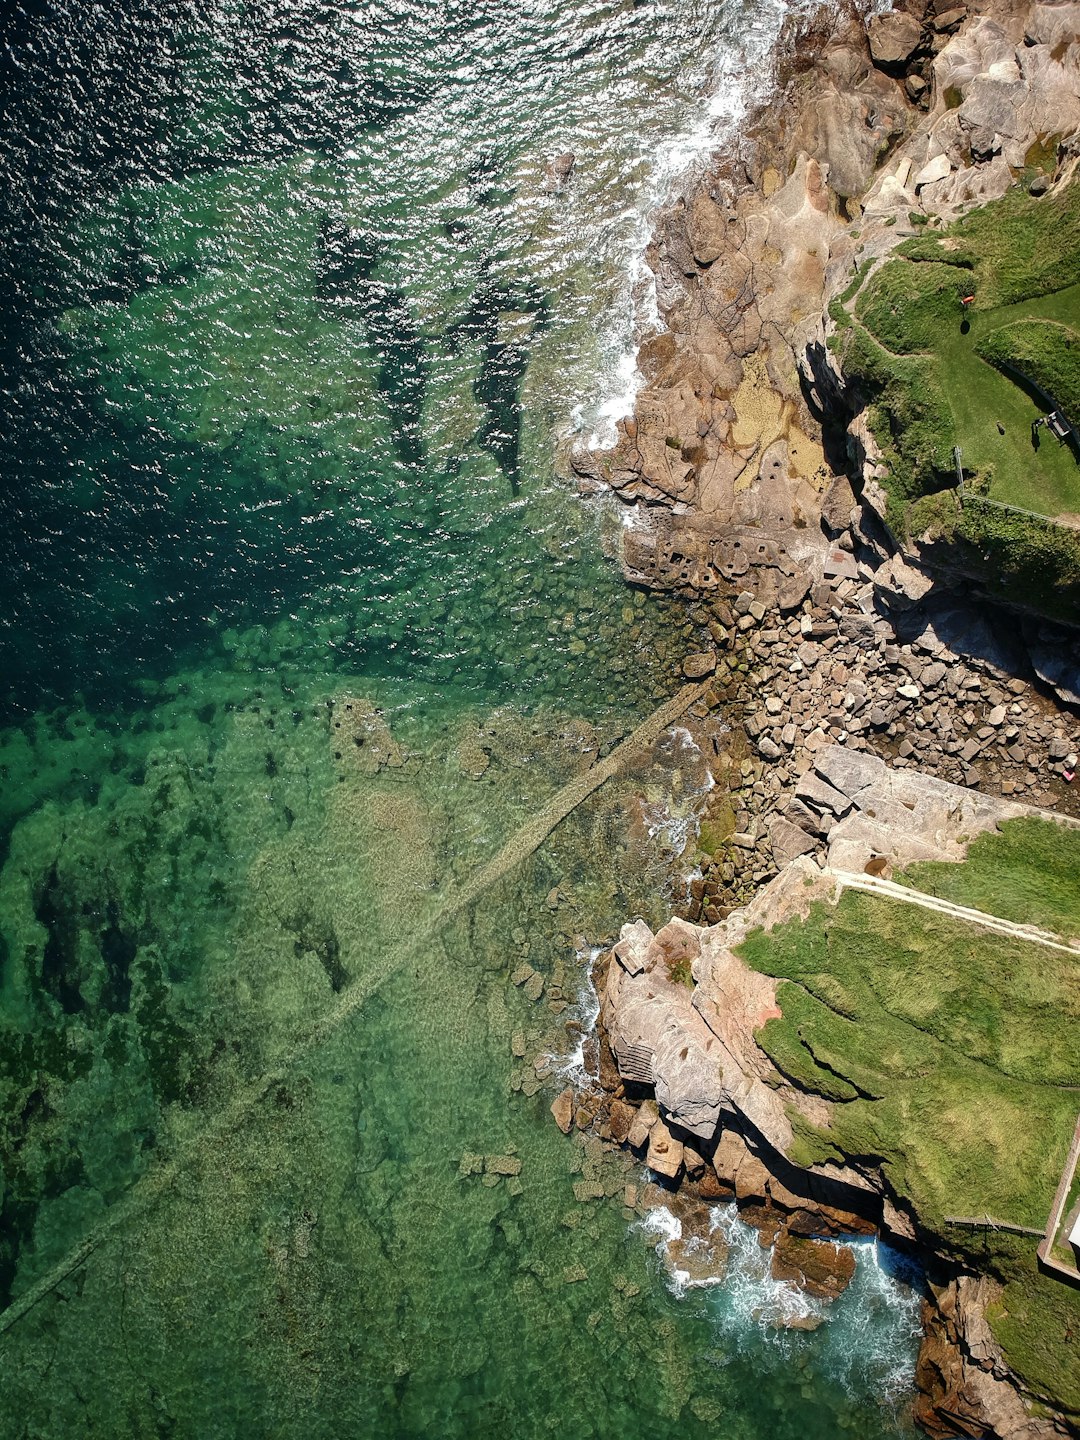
(738, 436)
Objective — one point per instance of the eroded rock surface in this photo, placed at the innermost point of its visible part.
(844, 666)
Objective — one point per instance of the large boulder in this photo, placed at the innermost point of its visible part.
(893, 37)
(665, 1154)
(993, 102)
(1058, 667)
(837, 505)
(1053, 25)
(729, 1154)
(657, 1036)
(973, 52)
(939, 168)
(562, 1108)
(787, 841)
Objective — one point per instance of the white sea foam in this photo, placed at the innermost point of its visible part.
(865, 1341)
(753, 1298)
(586, 1011)
(664, 1228)
(733, 81)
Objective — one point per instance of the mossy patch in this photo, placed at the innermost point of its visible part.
(717, 828)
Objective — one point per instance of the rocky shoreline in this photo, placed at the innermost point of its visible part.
(682, 1083)
(834, 650)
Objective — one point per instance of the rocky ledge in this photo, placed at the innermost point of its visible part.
(688, 1087)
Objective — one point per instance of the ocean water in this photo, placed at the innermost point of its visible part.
(303, 629)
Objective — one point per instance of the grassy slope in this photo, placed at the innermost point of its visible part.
(948, 1054)
(1030, 873)
(927, 387)
(1047, 351)
(912, 308)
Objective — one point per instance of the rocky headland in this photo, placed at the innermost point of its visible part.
(880, 713)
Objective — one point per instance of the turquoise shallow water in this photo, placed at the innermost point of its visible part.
(301, 628)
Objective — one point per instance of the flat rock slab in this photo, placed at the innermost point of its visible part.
(788, 840)
(815, 791)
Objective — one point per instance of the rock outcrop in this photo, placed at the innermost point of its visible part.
(755, 482)
(680, 1011)
(725, 457)
(680, 1008)
(961, 1379)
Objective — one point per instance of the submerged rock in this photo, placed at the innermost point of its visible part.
(700, 1255)
(819, 1267)
(559, 169)
(502, 1165)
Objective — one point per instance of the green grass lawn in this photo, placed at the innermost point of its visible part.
(1043, 351)
(985, 401)
(951, 1058)
(949, 1052)
(912, 308)
(1028, 872)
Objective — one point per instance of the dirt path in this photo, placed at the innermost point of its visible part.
(523, 843)
(874, 885)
